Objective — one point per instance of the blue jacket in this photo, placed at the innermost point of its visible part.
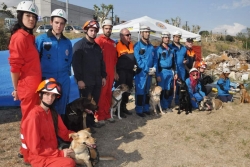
(180, 54)
(144, 55)
(223, 86)
(196, 90)
(55, 55)
(165, 59)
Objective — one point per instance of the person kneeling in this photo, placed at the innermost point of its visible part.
(41, 128)
(194, 88)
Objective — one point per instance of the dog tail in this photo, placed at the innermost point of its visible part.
(106, 158)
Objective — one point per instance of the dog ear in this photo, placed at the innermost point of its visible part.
(88, 129)
(73, 136)
(89, 96)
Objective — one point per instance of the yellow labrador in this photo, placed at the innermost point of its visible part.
(155, 93)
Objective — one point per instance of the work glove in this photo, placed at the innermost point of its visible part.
(151, 71)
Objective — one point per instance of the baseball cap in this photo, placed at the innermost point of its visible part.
(190, 40)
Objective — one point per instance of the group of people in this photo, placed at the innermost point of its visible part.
(41, 66)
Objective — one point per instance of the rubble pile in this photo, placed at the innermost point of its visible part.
(238, 62)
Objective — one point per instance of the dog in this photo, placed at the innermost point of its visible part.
(154, 98)
(76, 113)
(117, 98)
(244, 96)
(209, 104)
(84, 146)
(184, 98)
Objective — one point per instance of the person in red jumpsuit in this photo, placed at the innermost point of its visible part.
(24, 59)
(108, 47)
(41, 128)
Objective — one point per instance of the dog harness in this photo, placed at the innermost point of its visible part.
(117, 101)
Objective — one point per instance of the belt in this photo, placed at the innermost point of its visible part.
(167, 68)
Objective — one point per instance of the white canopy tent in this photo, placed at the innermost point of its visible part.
(156, 27)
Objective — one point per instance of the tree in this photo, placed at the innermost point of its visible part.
(204, 33)
(102, 12)
(167, 21)
(229, 38)
(4, 6)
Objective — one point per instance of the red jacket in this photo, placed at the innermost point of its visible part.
(39, 135)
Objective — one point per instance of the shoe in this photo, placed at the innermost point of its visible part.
(140, 114)
(111, 120)
(169, 110)
(98, 124)
(148, 113)
(127, 112)
(20, 155)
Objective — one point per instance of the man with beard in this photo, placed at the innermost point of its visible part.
(146, 67)
(88, 65)
(125, 66)
(108, 47)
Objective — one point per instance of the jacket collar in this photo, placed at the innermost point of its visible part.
(50, 34)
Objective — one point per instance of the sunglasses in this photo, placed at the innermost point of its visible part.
(195, 74)
(127, 35)
(51, 85)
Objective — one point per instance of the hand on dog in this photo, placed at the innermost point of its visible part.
(81, 85)
(67, 152)
(116, 77)
(15, 95)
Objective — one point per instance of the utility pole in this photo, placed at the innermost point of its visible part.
(112, 16)
(186, 25)
(67, 10)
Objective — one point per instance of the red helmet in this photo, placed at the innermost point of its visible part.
(91, 23)
(50, 85)
(202, 64)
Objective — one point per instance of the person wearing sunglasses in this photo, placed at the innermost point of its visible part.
(109, 52)
(194, 88)
(56, 56)
(146, 62)
(24, 59)
(41, 128)
(223, 86)
(89, 67)
(125, 66)
(165, 71)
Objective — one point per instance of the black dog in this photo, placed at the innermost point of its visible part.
(77, 111)
(184, 98)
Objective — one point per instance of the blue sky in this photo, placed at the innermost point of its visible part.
(215, 15)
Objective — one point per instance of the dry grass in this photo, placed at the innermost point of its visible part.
(198, 139)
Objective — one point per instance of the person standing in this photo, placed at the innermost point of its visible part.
(24, 59)
(180, 60)
(146, 62)
(125, 66)
(88, 65)
(191, 56)
(165, 71)
(108, 47)
(56, 56)
(41, 128)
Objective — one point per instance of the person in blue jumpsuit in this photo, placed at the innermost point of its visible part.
(194, 88)
(56, 56)
(165, 71)
(146, 63)
(223, 87)
(180, 59)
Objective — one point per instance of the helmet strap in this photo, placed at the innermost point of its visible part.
(90, 37)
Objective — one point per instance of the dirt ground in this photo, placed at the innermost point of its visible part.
(219, 139)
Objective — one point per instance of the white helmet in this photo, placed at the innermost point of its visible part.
(193, 69)
(144, 28)
(107, 22)
(226, 70)
(27, 6)
(59, 13)
(165, 34)
(177, 33)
